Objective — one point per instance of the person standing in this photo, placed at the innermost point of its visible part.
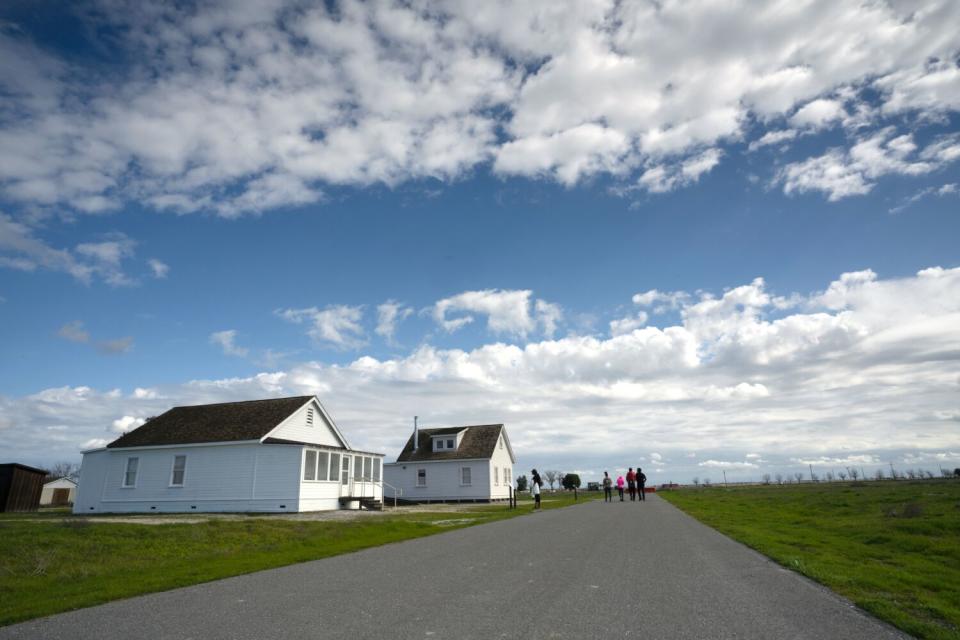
(607, 487)
(535, 483)
(620, 487)
(641, 481)
(632, 484)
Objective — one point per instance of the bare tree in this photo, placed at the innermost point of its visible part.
(911, 474)
(799, 476)
(766, 478)
(929, 474)
(64, 470)
(842, 475)
(854, 473)
(551, 475)
(696, 482)
(706, 482)
(829, 476)
(779, 478)
(879, 475)
(814, 477)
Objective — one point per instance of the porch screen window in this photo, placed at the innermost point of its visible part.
(421, 477)
(334, 466)
(130, 474)
(368, 468)
(179, 470)
(358, 468)
(465, 475)
(345, 476)
(322, 465)
(376, 469)
(310, 465)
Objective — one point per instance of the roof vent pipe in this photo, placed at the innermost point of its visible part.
(416, 434)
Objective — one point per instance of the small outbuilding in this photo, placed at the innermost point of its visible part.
(469, 463)
(20, 487)
(58, 493)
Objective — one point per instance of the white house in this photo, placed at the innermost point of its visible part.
(281, 455)
(61, 491)
(454, 463)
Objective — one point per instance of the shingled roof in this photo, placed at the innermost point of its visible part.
(479, 441)
(226, 422)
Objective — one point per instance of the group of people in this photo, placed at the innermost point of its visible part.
(635, 481)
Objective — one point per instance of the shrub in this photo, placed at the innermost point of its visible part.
(571, 481)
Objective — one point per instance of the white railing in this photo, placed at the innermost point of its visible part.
(396, 492)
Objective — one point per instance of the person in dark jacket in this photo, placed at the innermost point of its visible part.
(641, 481)
(536, 482)
(607, 487)
(632, 484)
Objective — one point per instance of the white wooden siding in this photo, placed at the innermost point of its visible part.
(219, 477)
(295, 428)
(443, 480)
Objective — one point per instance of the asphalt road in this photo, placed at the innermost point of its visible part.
(634, 570)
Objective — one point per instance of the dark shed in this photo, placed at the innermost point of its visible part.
(20, 487)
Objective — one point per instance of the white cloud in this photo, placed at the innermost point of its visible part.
(255, 108)
(160, 269)
(227, 341)
(772, 138)
(74, 332)
(508, 312)
(336, 325)
(818, 113)
(389, 314)
(861, 372)
(628, 324)
(841, 174)
(127, 423)
(726, 464)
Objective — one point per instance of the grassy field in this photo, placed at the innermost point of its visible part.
(893, 548)
(52, 562)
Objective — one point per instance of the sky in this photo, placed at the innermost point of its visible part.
(702, 238)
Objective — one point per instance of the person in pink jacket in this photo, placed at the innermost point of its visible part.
(620, 487)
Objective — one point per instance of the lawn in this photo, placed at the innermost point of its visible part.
(893, 548)
(52, 562)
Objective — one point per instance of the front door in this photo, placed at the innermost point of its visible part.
(345, 476)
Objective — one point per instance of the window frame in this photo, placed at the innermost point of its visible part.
(469, 471)
(450, 443)
(126, 473)
(326, 471)
(309, 468)
(173, 470)
(423, 471)
(334, 468)
(496, 476)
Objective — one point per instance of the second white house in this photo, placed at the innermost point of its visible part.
(472, 463)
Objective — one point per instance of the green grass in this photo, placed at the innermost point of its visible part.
(893, 548)
(51, 562)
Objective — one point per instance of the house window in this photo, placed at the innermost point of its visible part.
(130, 474)
(345, 473)
(310, 417)
(334, 466)
(368, 468)
(376, 469)
(179, 471)
(421, 477)
(507, 475)
(465, 476)
(310, 465)
(439, 444)
(322, 466)
(496, 475)
(449, 444)
(358, 468)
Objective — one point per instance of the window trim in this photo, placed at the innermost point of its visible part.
(306, 468)
(424, 483)
(466, 484)
(451, 443)
(496, 476)
(173, 468)
(126, 473)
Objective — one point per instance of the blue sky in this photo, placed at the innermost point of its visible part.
(566, 212)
